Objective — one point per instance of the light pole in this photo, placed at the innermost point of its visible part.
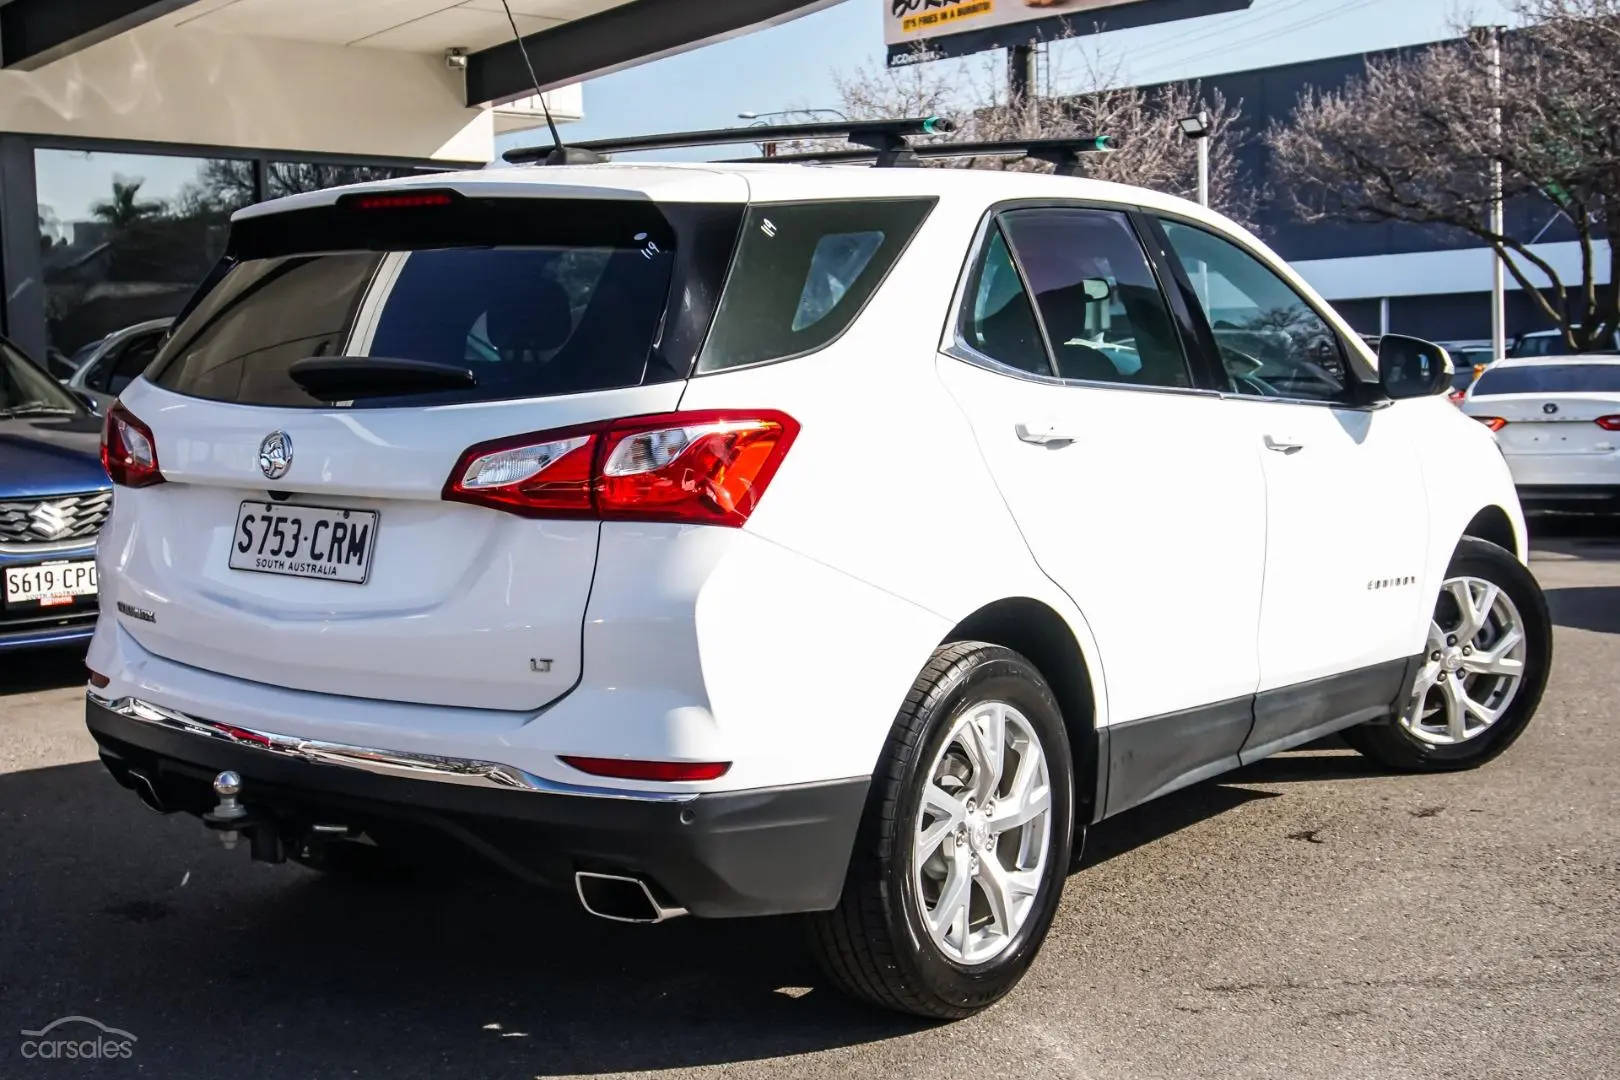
(768, 149)
(1196, 128)
(790, 112)
(1498, 283)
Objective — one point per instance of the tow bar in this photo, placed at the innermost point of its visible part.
(231, 819)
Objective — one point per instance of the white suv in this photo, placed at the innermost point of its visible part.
(754, 539)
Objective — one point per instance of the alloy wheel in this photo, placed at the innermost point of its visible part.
(1474, 665)
(983, 833)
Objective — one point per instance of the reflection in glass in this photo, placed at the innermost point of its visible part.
(292, 177)
(126, 237)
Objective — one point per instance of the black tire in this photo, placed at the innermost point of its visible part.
(874, 944)
(1393, 747)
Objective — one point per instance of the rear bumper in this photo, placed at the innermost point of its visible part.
(41, 636)
(758, 852)
(1587, 498)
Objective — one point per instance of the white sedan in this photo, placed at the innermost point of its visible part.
(1557, 420)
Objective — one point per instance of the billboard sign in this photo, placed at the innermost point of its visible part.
(916, 30)
(906, 21)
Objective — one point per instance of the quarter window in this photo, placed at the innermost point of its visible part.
(1272, 343)
(1098, 297)
(802, 273)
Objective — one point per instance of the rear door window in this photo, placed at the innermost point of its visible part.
(569, 301)
(1098, 297)
(1549, 379)
(802, 273)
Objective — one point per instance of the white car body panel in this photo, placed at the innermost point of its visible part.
(1130, 526)
(459, 601)
(1191, 564)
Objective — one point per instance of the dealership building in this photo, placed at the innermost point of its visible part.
(130, 130)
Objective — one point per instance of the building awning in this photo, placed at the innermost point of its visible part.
(568, 40)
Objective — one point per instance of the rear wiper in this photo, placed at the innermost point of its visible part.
(344, 378)
(39, 409)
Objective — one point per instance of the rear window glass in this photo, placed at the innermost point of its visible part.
(802, 272)
(1549, 379)
(532, 319)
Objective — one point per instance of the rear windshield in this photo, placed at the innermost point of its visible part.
(532, 297)
(1549, 379)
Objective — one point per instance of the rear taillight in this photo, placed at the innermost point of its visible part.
(1609, 423)
(1495, 423)
(706, 468)
(128, 450)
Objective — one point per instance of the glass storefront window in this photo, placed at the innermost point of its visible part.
(293, 177)
(126, 237)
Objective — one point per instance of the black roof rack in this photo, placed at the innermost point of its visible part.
(1063, 154)
(885, 140)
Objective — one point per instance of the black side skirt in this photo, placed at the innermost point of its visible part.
(1156, 755)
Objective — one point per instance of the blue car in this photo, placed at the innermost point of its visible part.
(54, 496)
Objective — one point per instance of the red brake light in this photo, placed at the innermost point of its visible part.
(700, 467)
(1609, 423)
(128, 449)
(1495, 423)
(405, 200)
(667, 771)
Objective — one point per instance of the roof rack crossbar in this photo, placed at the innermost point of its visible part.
(885, 137)
(1063, 154)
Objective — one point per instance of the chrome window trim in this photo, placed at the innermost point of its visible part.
(961, 350)
(1371, 407)
(466, 772)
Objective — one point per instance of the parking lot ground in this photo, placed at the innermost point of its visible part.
(1305, 917)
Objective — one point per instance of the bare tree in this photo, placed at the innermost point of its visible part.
(1151, 152)
(1412, 140)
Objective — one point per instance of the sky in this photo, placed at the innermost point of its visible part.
(793, 65)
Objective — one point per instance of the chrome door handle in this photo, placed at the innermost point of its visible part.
(1042, 434)
(1283, 446)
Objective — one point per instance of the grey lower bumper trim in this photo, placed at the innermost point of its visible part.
(465, 772)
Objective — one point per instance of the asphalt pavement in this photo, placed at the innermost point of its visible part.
(1305, 917)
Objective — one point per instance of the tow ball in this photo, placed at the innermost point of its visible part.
(231, 820)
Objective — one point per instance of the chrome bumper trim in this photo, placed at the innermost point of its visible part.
(467, 772)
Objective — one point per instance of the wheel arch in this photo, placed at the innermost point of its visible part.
(1493, 524)
(1033, 629)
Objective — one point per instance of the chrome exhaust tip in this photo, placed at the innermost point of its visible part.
(621, 899)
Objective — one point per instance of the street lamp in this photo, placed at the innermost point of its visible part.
(790, 112)
(1196, 128)
(768, 149)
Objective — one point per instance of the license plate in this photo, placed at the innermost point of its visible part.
(304, 541)
(50, 584)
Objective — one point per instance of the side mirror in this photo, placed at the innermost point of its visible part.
(1410, 367)
(87, 401)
